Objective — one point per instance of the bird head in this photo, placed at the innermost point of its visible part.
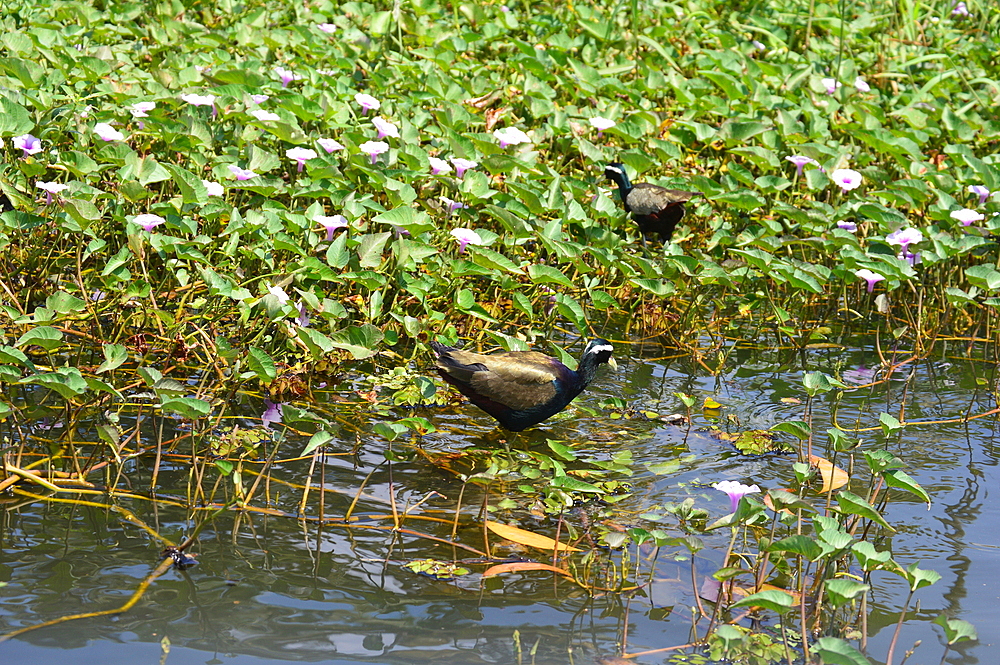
(614, 171)
(600, 350)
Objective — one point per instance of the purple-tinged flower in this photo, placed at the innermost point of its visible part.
(200, 100)
(373, 149)
(272, 413)
(758, 46)
(301, 155)
(242, 174)
(872, 278)
(600, 124)
(466, 237)
(327, 72)
(328, 28)
(400, 231)
(85, 111)
(202, 69)
(265, 116)
(329, 145)
(302, 320)
(913, 258)
(510, 136)
(259, 99)
(859, 375)
(800, 162)
(107, 132)
(861, 85)
(278, 293)
(831, 85)
(214, 188)
(141, 109)
(904, 238)
(960, 10)
(982, 192)
(148, 222)
(27, 143)
(286, 76)
(439, 166)
(736, 491)
(850, 227)
(453, 205)
(331, 223)
(967, 216)
(848, 179)
(385, 128)
(367, 102)
(463, 165)
(50, 189)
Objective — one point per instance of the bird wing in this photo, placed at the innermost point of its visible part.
(648, 199)
(518, 380)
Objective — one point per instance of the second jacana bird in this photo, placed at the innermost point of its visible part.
(520, 388)
(655, 209)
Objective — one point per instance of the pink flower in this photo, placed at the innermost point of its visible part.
(861, 86)
(28, 144)
(848, 179)
(439, 166)
(302, 320)
(466, 237)
(265, 116)
(328, 28)
(600, 124)
(966, 216)
(904, 238)
(367, 102)
(736, 491)
(286, 76)
(373, 149)
(301, 155)
(453, 206)
(982, 192)
(141, 109)
(259, 99)
(272, 413)
(463, 165)
(385, 128)
(800, 162)
(214, 188)
(831, 85)
(960, 10)
(329, 145)
(107, 132)
(847, 226)
(331, 223)
(872, 278)
(242, 174)
(510, 136)
(50, 189)
(148, 222)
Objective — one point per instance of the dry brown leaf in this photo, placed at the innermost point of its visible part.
(833, 477)
(521, 566)
(770, 504)
(493, 117)
(528, 538)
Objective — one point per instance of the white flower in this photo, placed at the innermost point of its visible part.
(141, 109)
(329, 145)
(848, 179)
(463, 165)
(861, 86)
(107, 132)
(374, 148)
(278, 293)
(439, 166)
(199, 100)
(367, 102)
(600, 124)
(385, 128)
(510, 136)
(214, 188)
(466, 237)
(265, 116)
(148, 221)
(328, 28)
(831, 85)
(967, 216)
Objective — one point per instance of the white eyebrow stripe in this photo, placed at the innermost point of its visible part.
(602, 347)
(615, 169)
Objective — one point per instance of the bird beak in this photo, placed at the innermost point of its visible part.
(613, 362)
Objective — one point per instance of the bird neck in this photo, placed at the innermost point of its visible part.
(624, 186)
(586, 370)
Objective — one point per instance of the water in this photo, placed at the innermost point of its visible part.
(272, 588)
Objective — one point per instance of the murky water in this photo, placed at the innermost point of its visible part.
(270, 588)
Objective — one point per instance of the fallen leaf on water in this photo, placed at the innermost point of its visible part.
(833, 477)
(528, 538)
(521, 566)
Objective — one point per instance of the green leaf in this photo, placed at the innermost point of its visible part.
(47, 337)
(262, 365)
(796, 428)
(318, 439)
(114, 356)
(541, 274)
(900, 480)
(67, 381)
(799, 544)
(957, 630)
(360, 341)
(842, 590)
(835, 651)
(775, 600)
(191, 408)
(62, 302)
(370, 249)
(852, 504)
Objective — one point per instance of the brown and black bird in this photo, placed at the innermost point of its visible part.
(520, 388)
(655, 209)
